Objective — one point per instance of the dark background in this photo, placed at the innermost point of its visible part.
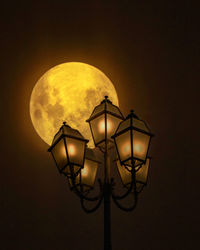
(150, 51)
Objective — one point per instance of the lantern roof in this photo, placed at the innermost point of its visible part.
(133, 122)
(105, 106)
(66, 131)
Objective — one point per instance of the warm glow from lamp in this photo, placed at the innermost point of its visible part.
(126, 149)
(101, 126)
(71, 150)
(63, 151)
(138, 148)
(84, 171)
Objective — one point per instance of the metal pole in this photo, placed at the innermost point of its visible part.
(107, 194)
(107, 221)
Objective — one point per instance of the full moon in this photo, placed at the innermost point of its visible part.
(68, 92)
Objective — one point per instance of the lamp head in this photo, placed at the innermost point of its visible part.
(68, 150)
(103, 122)
(132, 140)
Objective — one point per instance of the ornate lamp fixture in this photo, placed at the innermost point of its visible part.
(132, 140)
(85, 180)
(141, 174)
(68, 150)
(131, 137)
(103, 121)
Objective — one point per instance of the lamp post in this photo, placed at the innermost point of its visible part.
(130, 137)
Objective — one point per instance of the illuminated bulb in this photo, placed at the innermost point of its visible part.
(102, 126)
(71, 150)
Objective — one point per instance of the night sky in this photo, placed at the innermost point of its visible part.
(150, 51)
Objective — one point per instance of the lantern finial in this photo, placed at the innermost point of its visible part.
(106, 99)
(65, 124)
(132, 114)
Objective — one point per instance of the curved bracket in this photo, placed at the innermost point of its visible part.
(132, 184)
(84, 197)
(131, 191)
(90, 210)
(127, 209)
(141, 187)
(127, 167)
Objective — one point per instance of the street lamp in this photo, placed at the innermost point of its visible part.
(130, 137)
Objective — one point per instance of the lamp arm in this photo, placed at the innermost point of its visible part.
(84, 197)
(91, 210)
(132, 184)
(126, 209)
(141, 187)
(120, 197)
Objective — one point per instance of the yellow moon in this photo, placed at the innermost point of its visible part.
(68, 92)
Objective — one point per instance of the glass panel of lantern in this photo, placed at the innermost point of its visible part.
(85, 180)
(102, 118)
(112, 124)
(123, 143)
(68, 149)
(140, 145)
(126, 176)
(141, 174)
(97, 127)
(88, 173)
(141, 139)
(135, 130)
(59, 154)
(75, 150)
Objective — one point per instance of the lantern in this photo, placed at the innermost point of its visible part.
(132, 140)
(103, 122)
(68, 150)
(85, 180)
(141, 173)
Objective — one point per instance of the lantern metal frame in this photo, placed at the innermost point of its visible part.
(104, 112)
(132, 159)
(107, 186)
(73, 183)
(63, 137)
(139, 184)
